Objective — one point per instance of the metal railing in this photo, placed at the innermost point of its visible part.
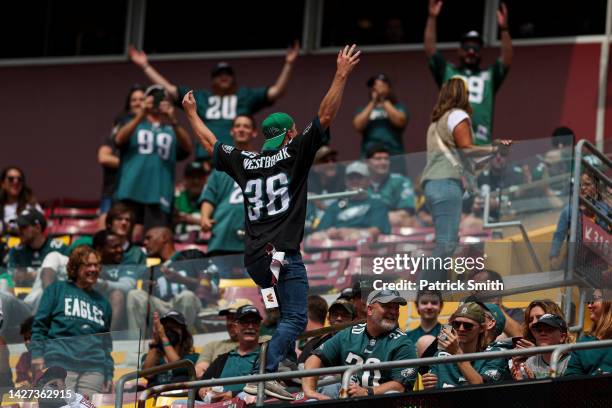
(348, 371)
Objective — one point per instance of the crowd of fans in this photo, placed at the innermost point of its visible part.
(101, 283)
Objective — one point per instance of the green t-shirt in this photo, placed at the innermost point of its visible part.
(218, 112)
(183, 203)
(449, 375)
(370, 212)
(237, 365)
(226, 196)
(9, 279)
(148, 162)
(396, 192)
(416, 334)
(590, 362)
(483, 85)
(23, 256)
(354, 345)
(380, 130)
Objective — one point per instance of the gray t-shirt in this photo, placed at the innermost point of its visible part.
(541, 369)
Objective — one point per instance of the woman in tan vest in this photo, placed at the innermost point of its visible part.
(449, 171)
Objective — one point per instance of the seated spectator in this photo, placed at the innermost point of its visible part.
(428, 304)
(6, 375)
(557, 161)
(594, 361)
(15, 197)
(115, 280)
(549, 330)
(186, 208)
(73, 308)
(394, 189)
(171, 285)
(472, 213)
(15, 312)
(238, 362)
(359, 299)
(379, 339)
(495, 322)
(468, 335)
(357, 217)
(533, 312)
(24, 376)
(317, 312)
(172, 341)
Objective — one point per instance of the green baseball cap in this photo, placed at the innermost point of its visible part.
(498, 316)
(275, 128)
(470, 310)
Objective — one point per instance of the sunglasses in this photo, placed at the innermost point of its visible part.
(467, 326)
(469, 46)
(14, 179)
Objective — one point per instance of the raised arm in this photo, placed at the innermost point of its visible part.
(184, 141)
(202, 132)
(140, 58)
(347, 59)
(123, 134)
(506, 40)
(429, 38)
(278, 89)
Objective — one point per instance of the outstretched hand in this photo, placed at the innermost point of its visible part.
(138, 57)
(502, 16)
(347, 59)
(435, 6)
(292, 52)
(189, 103)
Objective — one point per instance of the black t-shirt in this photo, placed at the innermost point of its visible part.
(274, 185)
(109, 174)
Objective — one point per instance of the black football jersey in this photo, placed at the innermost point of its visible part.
(274, 187)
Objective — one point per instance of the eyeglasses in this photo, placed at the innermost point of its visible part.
(471, 46)
(14, 179)
(467, 326)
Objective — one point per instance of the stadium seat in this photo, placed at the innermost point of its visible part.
(327, 269)
(251, 293)
(118, 357)
(74, 212)
(74, 226)
(315, 256)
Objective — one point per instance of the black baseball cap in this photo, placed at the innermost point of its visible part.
(32, 216)
(343, 304)
(247, 310)
(346, 294)
(470, 36)
(385, 296)
(48, 374)
(176, 316)
(552, 320)
(222, 67)
(383, 77)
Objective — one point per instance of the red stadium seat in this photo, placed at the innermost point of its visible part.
(315, 256)
(74, 212)
(74, 226)
(326, 269)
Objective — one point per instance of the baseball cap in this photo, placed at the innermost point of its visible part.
(176, 316)
(346, 294)
(385, 296)
(247, 310)
(48, 374)
(472, 35)
(498, 316)
(470, 310)
(344, 304)
(358, 168)
(32, 217)
(222, 67)
(323, 152)
(275, 128)
(381, 76)
(552, 320)
(194, 169)
(234, 306)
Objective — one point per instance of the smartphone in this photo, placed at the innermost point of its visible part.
(515, 340)
(449, 329)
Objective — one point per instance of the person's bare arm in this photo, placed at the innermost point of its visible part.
(451, 345)
(506, 40)
(346, 61)
(430, 36)
(397, 117)
(205, 136)
(106, 157)
(201, 368)
(360, 121)
(463, 139)
(123, 134)
(512, 328)
(140, 58)
(309, 384)
(206, 220)
(469, 373)
(280, 86)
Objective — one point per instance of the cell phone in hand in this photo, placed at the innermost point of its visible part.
(515, 340)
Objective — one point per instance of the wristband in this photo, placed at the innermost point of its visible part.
(166, 344)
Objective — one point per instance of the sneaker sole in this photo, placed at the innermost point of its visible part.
(269, 393)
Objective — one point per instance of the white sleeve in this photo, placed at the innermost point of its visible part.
(455, 118)
(55, 261)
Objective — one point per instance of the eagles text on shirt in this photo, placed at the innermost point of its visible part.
(74, 307)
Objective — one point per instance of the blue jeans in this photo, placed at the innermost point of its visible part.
(444, 198)
(292, 295)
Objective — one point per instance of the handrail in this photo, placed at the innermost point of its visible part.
(554, 358)
(261, 386)
(577, 328)
(149, 392)
(152, 371)
(339, 194)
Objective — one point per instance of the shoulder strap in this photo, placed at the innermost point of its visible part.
(447, 153)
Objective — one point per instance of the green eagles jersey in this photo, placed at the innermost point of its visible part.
(396, 192)
(65, 312)
(449, 375)
(370, 212)
(379, 130)
(148, 162)
(23, 256)
(226, 196)
(417, 333)
(218, 112)
(184, 204)
(590, 362)
(483, 84)
(354, 345)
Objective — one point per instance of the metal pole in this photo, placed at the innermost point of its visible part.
(603, 81)
(578, 327)
(340, 194)
(261, 386)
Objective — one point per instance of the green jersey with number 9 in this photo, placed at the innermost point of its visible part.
(148, 162)
(354, 345)
(274, 186)
(482, 84)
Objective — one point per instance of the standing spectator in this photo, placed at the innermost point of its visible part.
(483, 83)
(383, 119)
(428, 304)
(222, 202)
(15, 197)
(73, 308)
(220, 105)
(449, 144)
(171, 342)
(150, 145)
(108, 154)
(377, 340)
(171, 286)
(393, 189)
(186, 208)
